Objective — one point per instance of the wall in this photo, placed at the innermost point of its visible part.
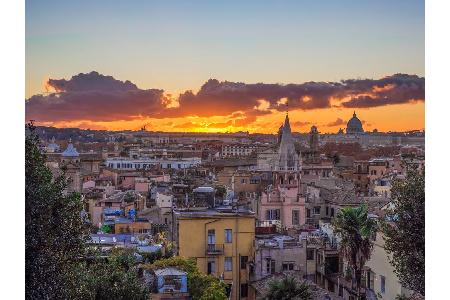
(379, 264)
(192, 238)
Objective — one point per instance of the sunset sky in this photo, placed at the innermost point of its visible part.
(223, 66)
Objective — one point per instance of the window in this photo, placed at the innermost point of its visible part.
(310, 254)
(326, 210)
(243, 180)
(317, 210)
(383, 284)
(295, 217)
(273, 214)
(244, 290)
(332, 212)
(211, 236)
(308, 213)
(228, 236)
(228, 263)
(288, 266)
(270, 266)
(211, 267)
(244, 260)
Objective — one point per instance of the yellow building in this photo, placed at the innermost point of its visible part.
(123, 225)
(222, 244)
(380, 276)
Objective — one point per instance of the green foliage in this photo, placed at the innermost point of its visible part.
(288, 288)
(106, 228)
(115, 278)
(129, 197)
(356, 231)
(215, 290)
(220, 191)
(405, 232)
(55, 233)
(55, 238)
(152, 257)
(200, 286)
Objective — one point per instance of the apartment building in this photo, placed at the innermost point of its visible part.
(221, 241)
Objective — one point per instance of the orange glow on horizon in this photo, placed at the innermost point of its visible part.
(402, 117)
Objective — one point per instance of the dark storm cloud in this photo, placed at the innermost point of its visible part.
(94, 97)
(223, 98)
(97, 97)
(395, 89)
(91, 82)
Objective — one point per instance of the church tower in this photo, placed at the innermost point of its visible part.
(287, 165)
(70, 159)
(282, 200)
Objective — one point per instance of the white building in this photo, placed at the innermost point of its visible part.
(237, 150)
(163, 200)
(164, 163)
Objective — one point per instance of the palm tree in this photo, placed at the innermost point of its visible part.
(356, 231)
(288, 288)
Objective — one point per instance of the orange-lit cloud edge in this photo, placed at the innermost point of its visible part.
(265, 119)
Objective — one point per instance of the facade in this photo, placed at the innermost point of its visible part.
(139, 164)
(379, 167)
(237, 150)
(281, 253)
(283, 200)
(126, 225)
(265, 159)
(380, 276)
(70, 159)
(222, 244)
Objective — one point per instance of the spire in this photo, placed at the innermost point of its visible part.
(286, 125)
(287, 107)
(354, 114)
(287, 157)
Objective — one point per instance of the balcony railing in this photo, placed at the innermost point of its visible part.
(214, 249)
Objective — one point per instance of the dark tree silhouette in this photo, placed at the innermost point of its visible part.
(405, 230)
(54, 229)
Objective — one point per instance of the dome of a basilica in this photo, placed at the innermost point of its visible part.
(354, 125)
(71, 151)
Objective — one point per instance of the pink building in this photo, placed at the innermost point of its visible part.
(282, 200)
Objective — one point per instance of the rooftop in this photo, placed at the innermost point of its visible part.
(223, 211)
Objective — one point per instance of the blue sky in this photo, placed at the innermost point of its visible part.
(178, 45)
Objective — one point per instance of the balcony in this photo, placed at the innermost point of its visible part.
(214, 249)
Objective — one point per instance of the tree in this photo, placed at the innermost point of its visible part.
(54, 230)
(288, 288)
(200, 286)
(113, 278)
(404, 230)
(221, 191)
(356, 231)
